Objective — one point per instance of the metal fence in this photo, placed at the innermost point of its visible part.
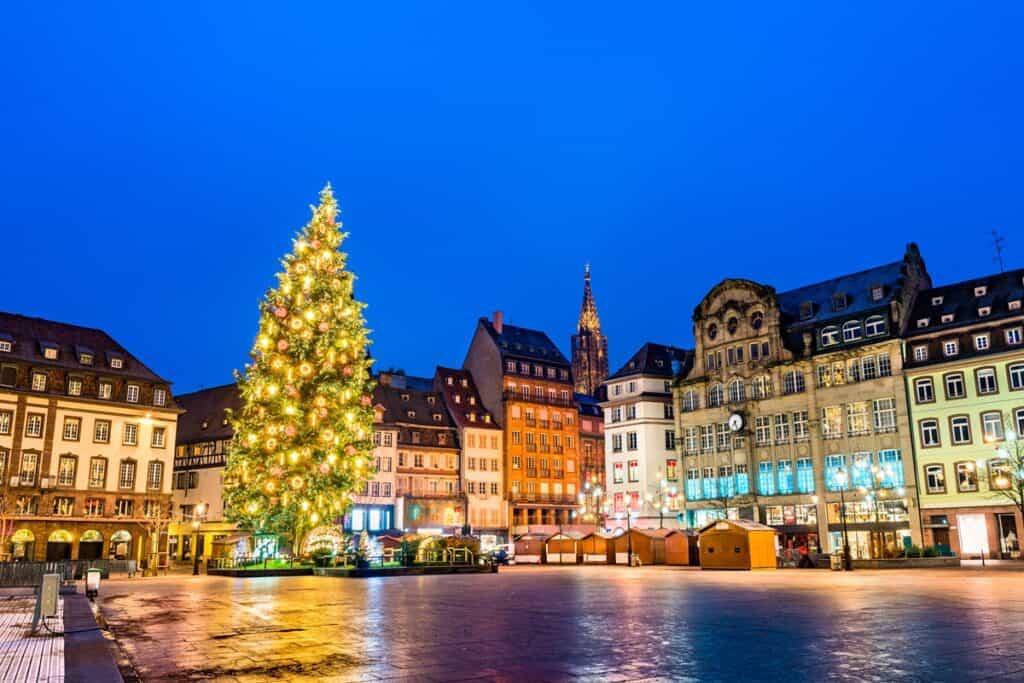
(31, 573)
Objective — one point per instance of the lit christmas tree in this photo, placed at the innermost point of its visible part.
(302, 441)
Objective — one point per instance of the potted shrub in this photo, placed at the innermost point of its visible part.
(322, 556)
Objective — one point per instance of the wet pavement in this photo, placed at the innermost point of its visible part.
(579, 623)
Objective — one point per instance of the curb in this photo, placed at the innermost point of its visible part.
(88, 655)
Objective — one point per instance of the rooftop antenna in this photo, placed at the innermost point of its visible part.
(999, 243)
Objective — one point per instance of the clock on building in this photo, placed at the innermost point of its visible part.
(735, 422)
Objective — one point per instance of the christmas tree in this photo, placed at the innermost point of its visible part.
(302, 441)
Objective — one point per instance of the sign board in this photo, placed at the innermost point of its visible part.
(46, 600)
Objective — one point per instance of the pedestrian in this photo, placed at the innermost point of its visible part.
(805, 557)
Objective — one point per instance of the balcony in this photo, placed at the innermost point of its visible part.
(544, 448)
(556, 425)
(545, 424)
(549, 498)
(546, 474)
(545, 400)
(531, 448)
(530, 421)
(557, 474)
(556, 449)
(531, 472)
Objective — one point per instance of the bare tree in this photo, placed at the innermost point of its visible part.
(156, 527)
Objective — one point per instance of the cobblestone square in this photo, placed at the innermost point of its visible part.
(577, 623)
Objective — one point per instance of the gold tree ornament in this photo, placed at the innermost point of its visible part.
(302, 424)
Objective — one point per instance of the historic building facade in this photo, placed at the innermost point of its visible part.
(642, 473)
(964, 374)
(86, 435)
(797, 397)
(591, 440)
(200, 455)
(522, 377)
(481, 461)
(427, 491)
(589, 345)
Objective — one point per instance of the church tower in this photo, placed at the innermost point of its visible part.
(589, 346)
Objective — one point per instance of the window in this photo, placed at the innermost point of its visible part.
(6, 418)
(616, 443)
(785, 473)
(97, 473)
(924, 390)
(999, 475)
(715, 396)
(804, 476)
(63, 506)
(1016, 374)
(634, 470)
(618, 473)
(516, 462)
(101, 431)
(920, 353)
(690, 440)
(737, 393)
(765, 479)
(835, 473)
(800, 431)
(726, 483)
(874, 326)
(992, 426)
(710, 484)
(670, 440)
(1013, 336)
(38, 381)
(669, 413)
(980, 342)
(831, 422)
(857, 417)
(691, 401)
(724, 440)
(126, 475)
(980, 290)
(72, 428)
(131, 434)
(631, 441)
(29, 466)
(955, 388)
(950, 347)
(986, 381)
(93, 507)
(707, 438)
(6, 346)
(671, 470)
(852, 331)
(124, 507)
(132, 395)
(761, 387)
(34, 425)
(762, 430)
(116, 362)
(839, 301)
(159, 397)
(155, 475)
(862, 474)
(693, 484)
(930, 433)
(793, 382)
(960, 429)
(830, 336)
(781, 428)
(105, 390)
(966, 477)
(885, 414)
(935, 478)
(631, 412)
(66, 470)
(74, 386)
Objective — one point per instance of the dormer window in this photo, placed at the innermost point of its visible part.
(410, 413)
(405, 397)
(922, 322)
(472, 417)
(465, 383)
(947, 318)
(937, 300)
(950, 348)
(487, 418)
(980, 290)
(49, 350)
(457, 398)
(159, 397)
(6, 343)
(839, 301)
(984, 310)
(807, 310)
(85, 358)
(430, 400)
(74, 386)
(450, 380)
(38, 381)
(981, 342)
(132, 394)
(660, 363)
(116, 362)
(1014, 305)
(204, 424)
(437, 417)
(877, 292)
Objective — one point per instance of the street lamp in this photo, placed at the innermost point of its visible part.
(196, 523)
(841, 479)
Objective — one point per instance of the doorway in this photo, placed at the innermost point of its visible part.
(1009, 542)
(973, 534)
(90, 545)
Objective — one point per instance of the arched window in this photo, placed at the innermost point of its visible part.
(691, 401)
(830, 336)
(852, 330)
(715, 396)
(874, 326)
(737, 392)
(761, 387)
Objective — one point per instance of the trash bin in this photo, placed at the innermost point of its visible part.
(92, 582)
(836, 562)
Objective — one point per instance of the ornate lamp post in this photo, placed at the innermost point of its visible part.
(197, 521)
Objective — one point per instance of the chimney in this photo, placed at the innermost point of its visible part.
(497, 321)
(384, 378)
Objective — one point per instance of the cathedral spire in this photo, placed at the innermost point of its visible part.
(589, 346)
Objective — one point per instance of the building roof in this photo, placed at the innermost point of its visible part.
(521, 342)
(462, 399)
(207, 406)
(413, 410)
(655, 359)
(31, 335)
(961, 301)
(589, 405)
(857, 287)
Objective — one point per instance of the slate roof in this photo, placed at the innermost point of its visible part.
(856, 286)
(207, 405)
(521, 342)
(588, 405)
(29, 335)
(398, 401)
(461, 410)
(655, 359)
(959, 299)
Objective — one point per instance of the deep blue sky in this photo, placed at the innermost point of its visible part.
(156, 161)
